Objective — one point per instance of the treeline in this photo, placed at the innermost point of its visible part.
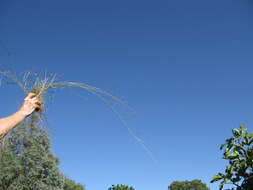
(27, 163)
(176, 185)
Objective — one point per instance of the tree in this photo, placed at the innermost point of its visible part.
(27, 162)
(71, 185)
(188, 185)
(120, 187)
(238, 150)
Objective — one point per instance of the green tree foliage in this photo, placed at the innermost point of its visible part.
(120, 187)
(27, 163)
(238, 150)
(188, 185)
(71, 185)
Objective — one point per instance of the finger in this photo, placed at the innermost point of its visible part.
(30, 96)
(37, 103)
(36, 100)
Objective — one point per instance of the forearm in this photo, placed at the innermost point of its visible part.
(31, 102)
(8, 123)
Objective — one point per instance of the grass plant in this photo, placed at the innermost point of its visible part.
(43, 85)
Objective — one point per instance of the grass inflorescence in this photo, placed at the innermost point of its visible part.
(43, 85)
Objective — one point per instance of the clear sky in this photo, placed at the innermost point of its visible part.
(184, 66)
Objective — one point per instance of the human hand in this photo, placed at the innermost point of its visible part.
(30, 104)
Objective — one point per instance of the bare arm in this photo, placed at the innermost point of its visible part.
(7, 123)
(31, 102)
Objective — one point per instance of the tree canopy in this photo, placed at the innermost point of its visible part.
(27, 162)
(71, 185)
(120, 187)
(188, 185)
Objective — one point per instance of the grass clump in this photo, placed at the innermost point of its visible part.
(45, 85)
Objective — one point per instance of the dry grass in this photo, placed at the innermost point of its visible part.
(43, 85)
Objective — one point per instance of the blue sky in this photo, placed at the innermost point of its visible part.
(184, 66)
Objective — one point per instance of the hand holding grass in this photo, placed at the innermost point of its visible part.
(31, 103)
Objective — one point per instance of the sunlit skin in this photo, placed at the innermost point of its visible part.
(30, 104)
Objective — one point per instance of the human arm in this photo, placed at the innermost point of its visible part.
(31, 102)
